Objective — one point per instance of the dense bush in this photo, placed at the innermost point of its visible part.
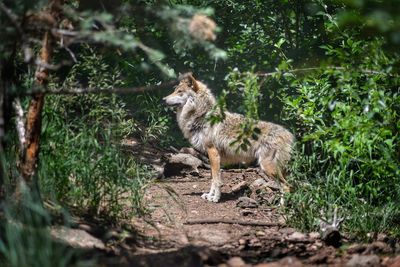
(82, 162)
(347, 124)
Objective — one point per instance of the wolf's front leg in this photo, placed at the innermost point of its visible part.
(215, 192)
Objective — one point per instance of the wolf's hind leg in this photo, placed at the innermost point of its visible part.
(215, 192)
(272, 169)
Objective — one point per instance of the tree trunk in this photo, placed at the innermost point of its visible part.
(29, 159)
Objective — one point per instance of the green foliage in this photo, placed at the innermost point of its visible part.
(246, 84)
(26, 240)
(82, 161)
(347, 122)
(155, 122)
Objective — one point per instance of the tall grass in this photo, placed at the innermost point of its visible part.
(82, 163)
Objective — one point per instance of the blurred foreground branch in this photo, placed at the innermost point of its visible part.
(132, 90)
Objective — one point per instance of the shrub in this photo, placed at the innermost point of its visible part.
(347, 124)
(82, 163)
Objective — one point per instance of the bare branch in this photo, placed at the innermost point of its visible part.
(132, 90)
(266, 74)
(43, 65)
(71, 54)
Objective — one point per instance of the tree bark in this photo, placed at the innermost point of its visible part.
(34, 115)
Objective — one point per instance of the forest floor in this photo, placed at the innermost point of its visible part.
(246, 228)
(170, 241)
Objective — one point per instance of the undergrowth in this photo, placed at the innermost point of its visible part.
(347, 126)
(82, 161)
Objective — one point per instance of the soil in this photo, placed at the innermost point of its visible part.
(166, 239)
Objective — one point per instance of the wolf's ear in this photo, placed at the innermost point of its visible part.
(193, 83)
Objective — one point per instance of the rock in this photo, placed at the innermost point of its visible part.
(378, 247)
(181, 163)
(259, 183)
(273, 185)
(189, 150)
(239, 187)
(159, 170)
(213, 236)
(246, 202)
(242, 242)
(358, 260)
(287, 230)
(285, 262)
(394, 262)
(76, 238)
(314, 235)
(260, 233)
(297, 236)
(85, 227)
(236, 262)
(382, 237)
(356, 248)
(319, 258)
(255, 243)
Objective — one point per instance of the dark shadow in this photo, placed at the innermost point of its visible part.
(189, 256)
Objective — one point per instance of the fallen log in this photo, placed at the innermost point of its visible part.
(231, 221)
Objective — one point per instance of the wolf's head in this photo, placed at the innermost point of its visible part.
(185, 90)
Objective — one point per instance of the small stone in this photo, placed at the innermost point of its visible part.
(314, 235)
(239, 187)
(358, 260)
(285, 262)
(255, 243)
(236, 262)
(260, 233)
(85, 227)
(382, 237)
(242, 242)
(259, 183)
(356, 248)
(246, 202)
(76, 238)
(319, 258)
(287, 230)
(297, 236)
(378, 247)
(181, 163)
(318, 244)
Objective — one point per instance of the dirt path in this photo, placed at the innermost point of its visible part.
(172, 242)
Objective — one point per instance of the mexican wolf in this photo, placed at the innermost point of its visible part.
(272, 149)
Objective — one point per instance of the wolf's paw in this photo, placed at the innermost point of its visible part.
(210, 197)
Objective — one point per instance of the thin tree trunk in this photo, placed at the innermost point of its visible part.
(2, 163)
(29, 159)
